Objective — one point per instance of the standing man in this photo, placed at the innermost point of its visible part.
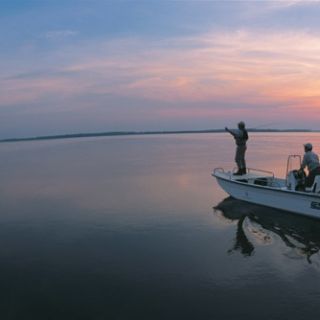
(241, 136)
(311, 161)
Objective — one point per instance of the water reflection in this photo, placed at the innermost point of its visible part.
(258, 225)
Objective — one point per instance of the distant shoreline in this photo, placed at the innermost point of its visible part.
(131, 133)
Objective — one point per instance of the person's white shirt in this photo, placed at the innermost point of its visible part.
(310, 160)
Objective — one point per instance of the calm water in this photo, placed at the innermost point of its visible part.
(136, 228)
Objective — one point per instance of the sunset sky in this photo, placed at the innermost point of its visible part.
(70, 66)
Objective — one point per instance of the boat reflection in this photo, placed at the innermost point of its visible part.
(261, 225)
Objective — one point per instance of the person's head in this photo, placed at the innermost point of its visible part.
(241, 125)
(307, 147)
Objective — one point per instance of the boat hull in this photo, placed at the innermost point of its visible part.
(307, 204)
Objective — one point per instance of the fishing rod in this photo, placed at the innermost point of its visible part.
(263, 126)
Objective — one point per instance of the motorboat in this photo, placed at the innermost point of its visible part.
(263, 188)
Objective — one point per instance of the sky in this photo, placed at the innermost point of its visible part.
(71, 66)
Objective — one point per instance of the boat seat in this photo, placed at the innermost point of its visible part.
(316, 185)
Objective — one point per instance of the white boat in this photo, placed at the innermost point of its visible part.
(263, 188)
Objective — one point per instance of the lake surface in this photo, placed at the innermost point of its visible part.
(136, 228)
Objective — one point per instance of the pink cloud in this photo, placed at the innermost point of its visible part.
(242, 67)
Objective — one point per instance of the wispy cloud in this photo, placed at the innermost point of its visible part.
(237, 64)
(267, 10)
(60, 34)
(274, 5)
(240, 71)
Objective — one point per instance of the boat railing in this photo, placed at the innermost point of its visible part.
(265, 172)
(219, 169)
(249, 170)
(262, 177)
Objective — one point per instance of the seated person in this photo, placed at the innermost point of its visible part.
(311, 161)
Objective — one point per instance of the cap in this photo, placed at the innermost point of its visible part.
(241, 124)
(308, 146)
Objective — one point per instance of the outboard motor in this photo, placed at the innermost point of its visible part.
(296, 180)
